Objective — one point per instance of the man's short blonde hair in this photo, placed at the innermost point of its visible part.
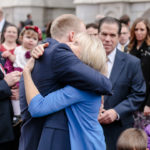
(92, 52)
(64, 24)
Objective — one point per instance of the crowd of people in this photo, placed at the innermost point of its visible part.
(83, 87)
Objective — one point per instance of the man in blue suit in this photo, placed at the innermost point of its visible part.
(56, 68)
(128, 84)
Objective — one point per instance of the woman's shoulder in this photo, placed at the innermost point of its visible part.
(2, 48)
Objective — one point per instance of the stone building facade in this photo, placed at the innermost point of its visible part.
(43, 11)
(88, 9)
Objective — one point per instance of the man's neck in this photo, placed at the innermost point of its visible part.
(111, 53)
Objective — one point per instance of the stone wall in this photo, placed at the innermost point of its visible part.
(87, 10)
(42, 11)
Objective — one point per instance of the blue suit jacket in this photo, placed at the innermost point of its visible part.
(55, 69)
(128, 87)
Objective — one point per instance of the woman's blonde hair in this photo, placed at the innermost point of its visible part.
(92, 52)
(132, 139)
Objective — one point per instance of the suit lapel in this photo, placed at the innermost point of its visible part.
(117, 67)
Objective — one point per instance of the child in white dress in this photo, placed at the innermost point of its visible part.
(29, 37)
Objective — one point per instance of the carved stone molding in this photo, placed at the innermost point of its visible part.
(107, 1)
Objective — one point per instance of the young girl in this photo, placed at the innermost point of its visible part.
(29, 37)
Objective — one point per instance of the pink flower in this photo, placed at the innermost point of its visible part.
(36, 29)
(27, 54)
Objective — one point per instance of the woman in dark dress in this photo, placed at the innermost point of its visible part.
(139, 46)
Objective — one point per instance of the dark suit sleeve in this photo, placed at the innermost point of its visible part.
(136, 95)
(5, 91)
(148, 100)
(69, 69)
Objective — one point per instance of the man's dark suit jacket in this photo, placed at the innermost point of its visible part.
(55, 69)
(128, 89)
(28, 22)
(6, 130)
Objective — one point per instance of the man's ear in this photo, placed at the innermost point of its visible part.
(71, 36)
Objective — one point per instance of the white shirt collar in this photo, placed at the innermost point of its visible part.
(110, 62)
(119, 45)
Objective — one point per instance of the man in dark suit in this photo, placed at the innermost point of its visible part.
(56, 68)
(124, 38)
(6, 129)
(128, 84)
(29, 20)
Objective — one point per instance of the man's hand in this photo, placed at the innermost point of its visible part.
(12, 78)
(38, 50)
(146, 111)
(107, 116)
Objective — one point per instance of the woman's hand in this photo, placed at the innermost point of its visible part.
(39, 50)
(6, 54)
(30, 64)
(30, 88)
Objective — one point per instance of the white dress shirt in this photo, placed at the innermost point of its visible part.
(110, 62)
(2, 24)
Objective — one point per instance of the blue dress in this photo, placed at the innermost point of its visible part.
(82, 108)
